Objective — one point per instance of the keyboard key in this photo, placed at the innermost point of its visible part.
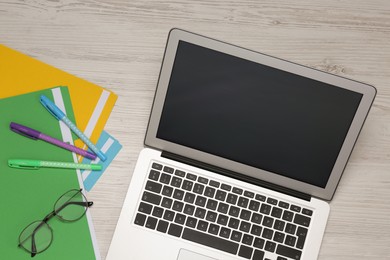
(234, 223)
(254, 205)
(154, 175)
(200, 201)
(191, 222)
(243, 202)
(279, 225)
(165, 178)
(177, 206)
(202, 225)
(157, 166)
(267, 221)
(258, 255)
(178, 194)
(265, 208)
(213, 229)
(211, 241)
(153, 186)
(278, 237)
(169, 215)
(301, 233)
(259, 243)
(283, 204)
(247, 239)
(288, 252)
(267, 233)
(211, 204)
(237, 190)
(158, 212)
(176, 182)
(189, 209)
(166, 203)
(245, 252)
(175, 230)
(162, 226)
(270, 246)
(140, 219)
(256, 218)
(151, 223)
(260, 197)
(256, 230)
(223, 208)
(307, 212)
(222, 219)
(167, 191)
(290, 240)
(221, 195)
(180, 219)
(209, 192)
(191, 176)
(168, 169)
(189, 197)
(245, 214)
(187, 185)
(281, 258)
(249, 194)
(203, 180)
(198, 188)
(145, 208)
(295, 208)
(276, 212)
(214, 184)
(231, 198)
(151, 198)
(211, 216)
(288, 215)
(272, 201)
(234, 211)
(225, 232)
(180, 173)
(236, 236)
(200, 213)
(226, 187)
(290, 228)
(301, 220)
(245, 226)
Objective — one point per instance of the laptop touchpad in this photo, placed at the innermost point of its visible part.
(190, 255)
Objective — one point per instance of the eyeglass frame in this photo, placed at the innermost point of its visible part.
(49, 216)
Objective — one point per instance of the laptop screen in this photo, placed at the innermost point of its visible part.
(256, 115)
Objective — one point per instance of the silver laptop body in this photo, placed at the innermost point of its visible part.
(242, 152)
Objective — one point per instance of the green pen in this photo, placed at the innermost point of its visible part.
(36, 164)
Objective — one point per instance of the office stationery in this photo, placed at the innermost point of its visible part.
(25, 196)
(37, 164)
(110, 147)
(242, 151)
(57, 113)
(34, 134)
(91, 103)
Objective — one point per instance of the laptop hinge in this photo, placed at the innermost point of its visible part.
(236, 175)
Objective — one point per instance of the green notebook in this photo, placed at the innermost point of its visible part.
(29, 195)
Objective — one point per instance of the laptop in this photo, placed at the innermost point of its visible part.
(242, 153)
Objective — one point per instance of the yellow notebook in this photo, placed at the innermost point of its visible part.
(92, 104)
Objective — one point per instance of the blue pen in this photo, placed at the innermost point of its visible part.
(57, 113)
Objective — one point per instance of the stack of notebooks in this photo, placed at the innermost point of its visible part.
(28, 195)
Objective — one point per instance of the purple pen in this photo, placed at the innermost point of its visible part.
(34, 134)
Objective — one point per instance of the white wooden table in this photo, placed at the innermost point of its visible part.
(119, 45)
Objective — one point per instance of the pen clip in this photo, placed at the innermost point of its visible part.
(22, 164)
(24, 130)
(51, 107)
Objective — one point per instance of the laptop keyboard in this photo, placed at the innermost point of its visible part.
(221, 216)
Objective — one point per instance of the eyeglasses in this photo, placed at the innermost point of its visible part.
(38, 236)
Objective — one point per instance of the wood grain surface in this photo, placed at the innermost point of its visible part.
(119, 45)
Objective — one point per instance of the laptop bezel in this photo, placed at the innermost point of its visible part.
(326, 193)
